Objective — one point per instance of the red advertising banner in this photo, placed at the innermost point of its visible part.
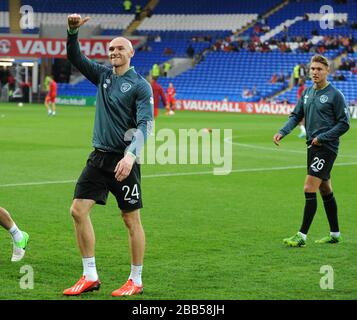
(235, 107)
(53, 48)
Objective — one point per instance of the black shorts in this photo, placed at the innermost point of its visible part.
(98, 179)
(320, 161)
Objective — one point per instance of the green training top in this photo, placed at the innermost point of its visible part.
(326, 116)
(124, 104)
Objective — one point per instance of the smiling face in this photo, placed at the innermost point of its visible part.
(120, 52)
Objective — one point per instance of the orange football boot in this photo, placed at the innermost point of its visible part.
(82, 286)
(128, 289)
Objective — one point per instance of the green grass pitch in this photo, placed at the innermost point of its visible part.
(208, 237)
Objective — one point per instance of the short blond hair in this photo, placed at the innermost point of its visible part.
(321, 59)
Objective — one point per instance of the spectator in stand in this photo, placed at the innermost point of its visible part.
(321, 49)
(167, 68)
(145, 48)
(296, 74)
(283, 46)
(127, 5)
(281, 77)
(168, 51)
(285, 32)
(347, 64)
(265, 47)
(338, 76)
(149, 12)
(314, 32)
(246, 93)
(155, 71)
(137, 12)
(254, 91)
(274, 78)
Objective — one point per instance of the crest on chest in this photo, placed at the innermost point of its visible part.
(125, 87)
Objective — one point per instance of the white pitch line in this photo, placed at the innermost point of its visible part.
(161, 175)
(267, 148)
(40, 183)
(277, 149)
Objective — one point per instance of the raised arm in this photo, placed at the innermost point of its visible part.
(90, 69)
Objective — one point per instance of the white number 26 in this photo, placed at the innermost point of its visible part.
(317, 164)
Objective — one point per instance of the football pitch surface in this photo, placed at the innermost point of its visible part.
(216, 237)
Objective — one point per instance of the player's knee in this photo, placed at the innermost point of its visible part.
(77, 212)
(309, 188)
(132, 220)
(325, 190)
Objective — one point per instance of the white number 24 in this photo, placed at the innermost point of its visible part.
(134, 192)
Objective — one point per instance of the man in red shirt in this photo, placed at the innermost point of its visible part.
(51, 98)
(158, 92)
(171, 101)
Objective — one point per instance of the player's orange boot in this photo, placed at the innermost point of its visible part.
(82, 286)
(128, 289)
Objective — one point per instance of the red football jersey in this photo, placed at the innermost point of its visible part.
(171, 91)
(53, 88)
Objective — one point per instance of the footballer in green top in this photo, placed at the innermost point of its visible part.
(326, 119)
(124, 113)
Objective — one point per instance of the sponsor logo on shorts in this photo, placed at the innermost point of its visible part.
(133, 201)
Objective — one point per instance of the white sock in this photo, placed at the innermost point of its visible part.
(304, 236)
(135, 274)
(16, 233)
(335, 234)
(302, 129)
(89, 269)
(49, 112)
(53, 112)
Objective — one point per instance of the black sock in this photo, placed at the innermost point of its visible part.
(331, 211)
(309, 211)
